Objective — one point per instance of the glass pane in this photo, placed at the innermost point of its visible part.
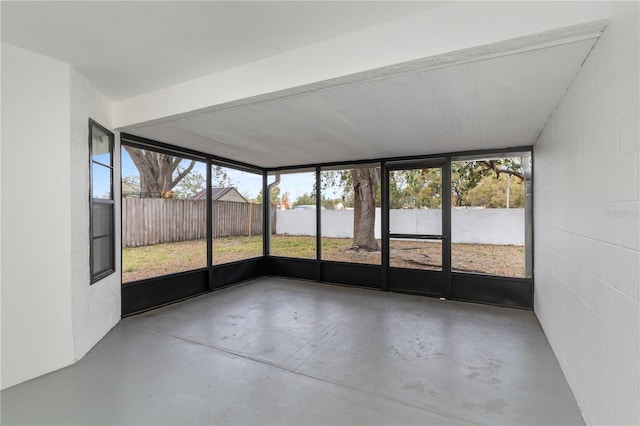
(416, 254)
(350, 215)
(488, 216)
(237, 214)
(293, 227)
(415, 201)
(101, 176)
(102, 217)
(102, 254)
(100, 146)
(163, 228)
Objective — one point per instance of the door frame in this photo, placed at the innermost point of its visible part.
(443, 278)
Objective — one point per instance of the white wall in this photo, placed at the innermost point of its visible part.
(586, 227)
(409, 221)
(335, 223)
(95, 308)
(472, 226)
(488, 226)
(37, 334)
(51, 316)
(296, 222)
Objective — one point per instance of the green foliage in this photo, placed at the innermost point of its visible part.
(407, 188)
(332, 203)
(220, 178)
(130, 186)
(483, 183)
(415, 189)
(491, 192)
(194, 183)
(464, 177)
(310, 200)
(190, 186)
(305, 200)
(275, 196)
(478, 183)
(340, 181)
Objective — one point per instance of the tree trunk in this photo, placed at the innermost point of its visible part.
(365, 187)
(156, 171)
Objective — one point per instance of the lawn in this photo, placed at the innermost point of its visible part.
(161, 259)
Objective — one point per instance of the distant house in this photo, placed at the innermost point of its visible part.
(222, 194)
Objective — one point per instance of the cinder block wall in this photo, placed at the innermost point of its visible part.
(586, 227)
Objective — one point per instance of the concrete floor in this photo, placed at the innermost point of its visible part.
(276, 351)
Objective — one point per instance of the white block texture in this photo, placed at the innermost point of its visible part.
(586, 227)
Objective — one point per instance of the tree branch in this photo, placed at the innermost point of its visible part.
(182, 174)
(493, 165)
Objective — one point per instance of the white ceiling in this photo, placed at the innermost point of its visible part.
(133, 47)
(496, 102)
(130, 48)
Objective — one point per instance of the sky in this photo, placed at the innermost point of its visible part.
(247, 184)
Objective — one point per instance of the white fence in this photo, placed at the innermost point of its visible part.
(473, 226)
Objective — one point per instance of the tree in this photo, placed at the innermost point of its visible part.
(491, 192)
(467, 175)
(421, 188)
(220, 178)
(130, 186)
(159, 173)
(164, 175)
(361, 190)
(194, 183)
(275, 196)
(366, 183)
(310, 200)
(190, 186)
(305, 200)
(415, 189)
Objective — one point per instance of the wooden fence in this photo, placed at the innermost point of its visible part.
(148, 221)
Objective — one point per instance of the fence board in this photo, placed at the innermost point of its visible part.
(148, 221)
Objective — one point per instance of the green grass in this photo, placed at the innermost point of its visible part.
(235, 248)
(294, 246)
(162, 259)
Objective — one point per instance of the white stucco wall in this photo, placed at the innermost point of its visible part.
(51, 316)
(37, 333)
(296, 222)
(472, 226)
(335, 223)
(410, 221)
(488, 226)
(586, 227)
(95, 308)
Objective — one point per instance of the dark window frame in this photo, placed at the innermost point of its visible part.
(478, 288)
(266, 200)
(111, 267)
(210, 164)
